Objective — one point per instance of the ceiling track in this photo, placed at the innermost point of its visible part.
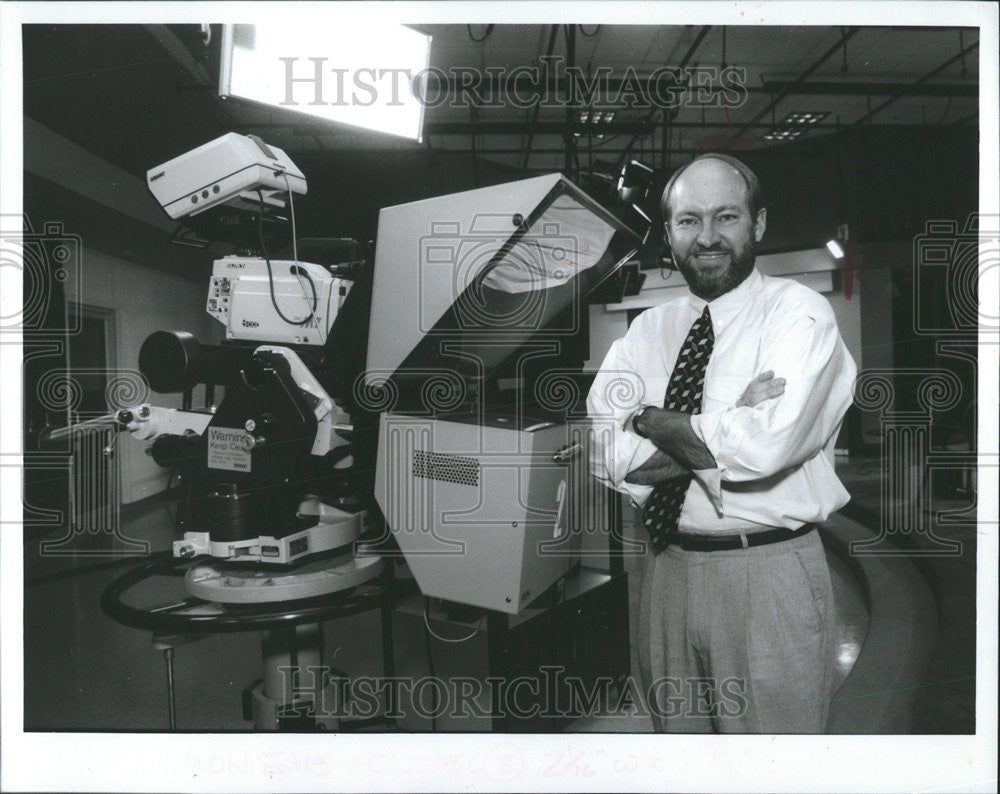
(866, 89)
(797, 82)
(447, 128)
(682, 65)
(553, 33)
(907, 91)
(556, 87)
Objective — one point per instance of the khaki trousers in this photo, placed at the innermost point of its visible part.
(738, 641)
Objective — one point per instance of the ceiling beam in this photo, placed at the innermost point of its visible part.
(683, 64)
(491, 90)
(569, 140)
(538, 128)
(798, 81)
(554, 150)
(866, 89)
(176, 49)
(906, 91)
(448, 128)
(553, 33)
(51, 156)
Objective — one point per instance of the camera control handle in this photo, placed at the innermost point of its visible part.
(567, 453)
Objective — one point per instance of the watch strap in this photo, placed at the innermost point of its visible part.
(635, 417)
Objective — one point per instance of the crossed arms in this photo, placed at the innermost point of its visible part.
(671, 430)
(776, 424)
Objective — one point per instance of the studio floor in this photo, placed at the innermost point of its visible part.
(84, 671)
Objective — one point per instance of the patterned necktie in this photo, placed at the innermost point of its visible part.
(663, 508)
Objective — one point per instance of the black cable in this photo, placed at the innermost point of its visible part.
(301, 271)
(71, 573)
(486, 34)
(428, 632)
(270, 275)
(553, 33)
(609, 140)
(296, 270)
(947, 107)
(587, 35)
(166, 505)
(236, 618)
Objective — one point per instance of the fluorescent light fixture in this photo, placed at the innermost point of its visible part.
(834, 248)
(597, 116)
(794, 125)
(803, 117)
(360, 75)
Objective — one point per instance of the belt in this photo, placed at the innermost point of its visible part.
(690, 542)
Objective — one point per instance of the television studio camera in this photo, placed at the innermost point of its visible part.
(418, 410)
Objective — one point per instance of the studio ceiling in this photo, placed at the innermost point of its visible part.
(136, 95)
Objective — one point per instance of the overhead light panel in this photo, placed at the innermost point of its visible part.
(588, 116)
(340, 70)
(794, 125)
(799, 117)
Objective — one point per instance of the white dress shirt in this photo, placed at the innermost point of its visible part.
(774, 461)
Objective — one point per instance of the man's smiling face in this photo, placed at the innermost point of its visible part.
(710, 229)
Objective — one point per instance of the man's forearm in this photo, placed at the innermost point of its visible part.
(671, 432)
(658, 468)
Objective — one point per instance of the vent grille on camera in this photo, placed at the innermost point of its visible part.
(448, 468)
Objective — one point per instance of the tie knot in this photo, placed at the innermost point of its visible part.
(702, 327)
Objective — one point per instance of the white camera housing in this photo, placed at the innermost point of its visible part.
(240, 297)
(229, 170)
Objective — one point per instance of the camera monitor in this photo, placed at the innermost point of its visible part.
(464, 282)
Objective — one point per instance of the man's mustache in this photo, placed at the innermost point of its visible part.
(715, 249)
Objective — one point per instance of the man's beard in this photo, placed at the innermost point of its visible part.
(709, 285)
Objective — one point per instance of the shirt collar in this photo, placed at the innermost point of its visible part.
(727, 306)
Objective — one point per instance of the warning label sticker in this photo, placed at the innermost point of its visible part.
(228, 448)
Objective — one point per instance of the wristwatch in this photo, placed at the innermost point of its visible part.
(635, 417)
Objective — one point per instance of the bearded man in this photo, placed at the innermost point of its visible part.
(740, 387)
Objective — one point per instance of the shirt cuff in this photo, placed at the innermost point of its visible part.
(712, 480)
(638, 493)
(717, 436)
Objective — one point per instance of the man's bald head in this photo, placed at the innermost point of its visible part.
(754, 194)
